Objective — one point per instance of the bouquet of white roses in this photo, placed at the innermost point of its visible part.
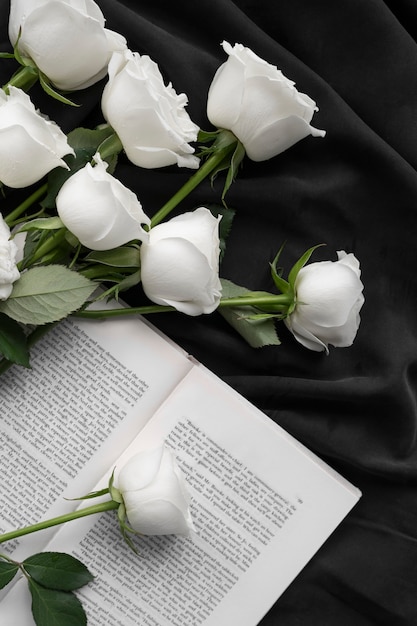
(81, 228)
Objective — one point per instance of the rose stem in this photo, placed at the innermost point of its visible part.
(280, 301)
(204, 170)
(61, 519)
(17, 212)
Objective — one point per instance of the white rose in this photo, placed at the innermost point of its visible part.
(155, 494)
(30, 144)
(328, 300)
(65, 38)
(148, 116)
(19, 239)
(8, 270)
(99, 210)
(180, 263)
(255, 101)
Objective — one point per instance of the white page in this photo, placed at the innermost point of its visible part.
(92, 387)
(262, 506)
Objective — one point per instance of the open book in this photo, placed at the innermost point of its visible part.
(262, 504)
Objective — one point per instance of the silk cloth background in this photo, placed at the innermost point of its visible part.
(355, 190)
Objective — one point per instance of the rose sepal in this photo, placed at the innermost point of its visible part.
(298, 265)
(229, 150)
(29, 74)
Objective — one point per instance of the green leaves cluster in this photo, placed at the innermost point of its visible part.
(49, 289)
(52, 578)
(256, 329)
(42, 295)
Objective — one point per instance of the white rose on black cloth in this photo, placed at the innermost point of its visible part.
(99, 210)
(66, 39)
(328, 300)
(180, 263)
(262, 108)
(148, 116)
(30, 144)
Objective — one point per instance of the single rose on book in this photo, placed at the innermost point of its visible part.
(151, 498)
(155, 494)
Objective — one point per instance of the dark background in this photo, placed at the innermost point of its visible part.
(355, 190)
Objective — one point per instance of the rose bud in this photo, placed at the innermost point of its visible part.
(155, 494)
(328, 300)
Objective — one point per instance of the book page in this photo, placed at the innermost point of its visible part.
(92, 387)
(261, 503)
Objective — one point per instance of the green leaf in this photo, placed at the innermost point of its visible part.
(124, 256)
(47, 294)
(13, 342)
(55, 608)
(256, 332)
(42, 223)
(57, 570)
(7, 572)
(7, 55)
(89, 139)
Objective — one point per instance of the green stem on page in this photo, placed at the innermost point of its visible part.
(26, 204)
(61, 519)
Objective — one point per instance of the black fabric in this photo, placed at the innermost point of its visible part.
(355, 190)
